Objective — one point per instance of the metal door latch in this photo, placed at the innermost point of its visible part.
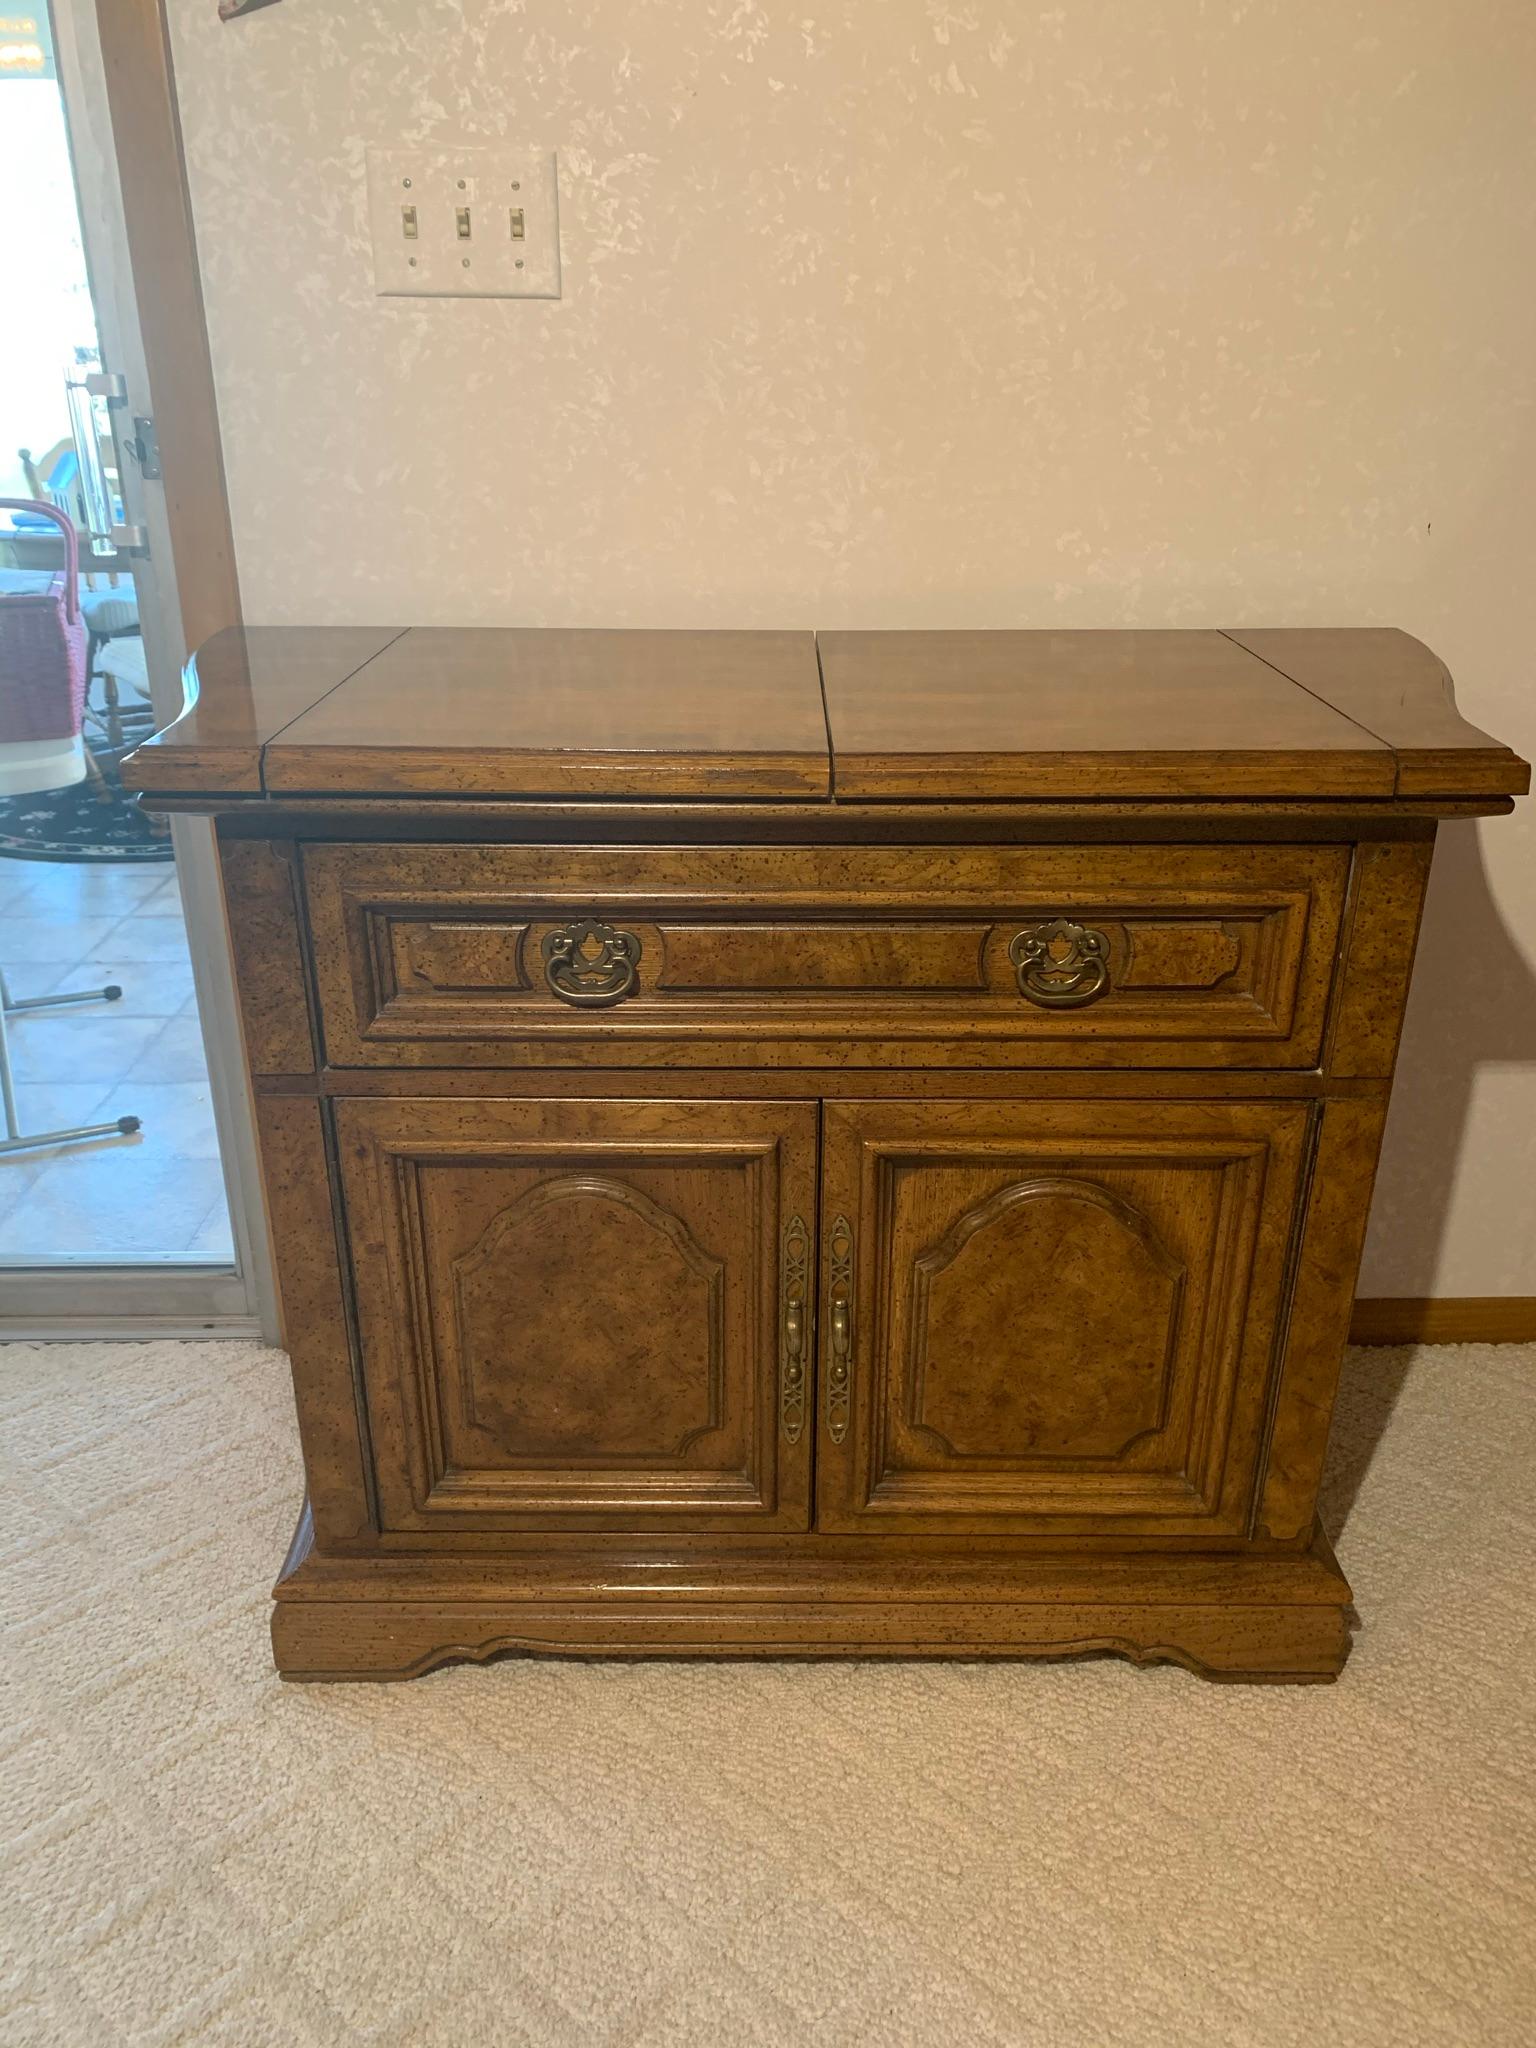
(144, 447)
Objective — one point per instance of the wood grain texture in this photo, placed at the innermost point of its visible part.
(1381, 935)
(1108, 717)
(243, 686)
(1453, 1319)
(1330, 1221)
(1107, 714)
(1039, 1138)
(777, 957)
(295, 1174)
(1279, 1619)
(622, 822)
(1393, 685)
(261, 901)
(550, 712)
(569, 1312)
(911, 1083)
(1064, 1312)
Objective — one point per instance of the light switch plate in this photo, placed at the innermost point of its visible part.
(464, 223)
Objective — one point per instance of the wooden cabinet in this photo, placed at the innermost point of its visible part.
(857, 1148)
(1027, 1321)
(569, 1312)
(1062, 1315)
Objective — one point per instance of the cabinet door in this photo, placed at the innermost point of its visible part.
(580, 1314)
(1052, 1318)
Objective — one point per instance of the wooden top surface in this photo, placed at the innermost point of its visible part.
(1343, 714)
(1095, 714)
(545, 712)
(1396, 688)
(248, 686)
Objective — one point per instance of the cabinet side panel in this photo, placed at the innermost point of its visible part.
(1333, 1237)
(1383, 930)
(298, 1190)
(261, 898)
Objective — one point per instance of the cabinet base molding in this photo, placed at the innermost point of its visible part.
(1455, 1319)
(1238, 1618)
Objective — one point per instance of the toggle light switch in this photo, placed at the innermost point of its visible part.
(428, 242)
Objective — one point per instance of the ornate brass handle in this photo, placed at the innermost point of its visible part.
(1061, 965)
(589, 963)
(840, 1305)
(797, 1255)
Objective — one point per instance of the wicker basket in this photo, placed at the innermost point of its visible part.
(43, 643)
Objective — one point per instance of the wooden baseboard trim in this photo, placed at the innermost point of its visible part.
(1465, 1319)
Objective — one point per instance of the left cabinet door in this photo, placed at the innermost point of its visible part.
(584, 1314)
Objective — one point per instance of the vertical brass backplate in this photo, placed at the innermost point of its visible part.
(840, 1323)
(794, 1328)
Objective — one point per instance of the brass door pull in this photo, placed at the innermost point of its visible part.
(589, 963)
(840, 1318)
(797, 1254)
(1061, 965)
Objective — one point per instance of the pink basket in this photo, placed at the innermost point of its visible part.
(43, 641)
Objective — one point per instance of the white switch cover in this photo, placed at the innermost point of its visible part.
(464, 223)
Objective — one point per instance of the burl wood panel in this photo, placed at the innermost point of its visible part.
(1381, 936)
(570, 1312)
(296, 1184)
(1146, 714)
(780, 957)
(261, 902)
(1065, 1314)
(1337, 1208)
(549, 712)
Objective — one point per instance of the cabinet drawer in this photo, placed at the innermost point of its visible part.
(1181, 956)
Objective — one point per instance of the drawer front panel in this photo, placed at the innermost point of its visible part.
(824, 957)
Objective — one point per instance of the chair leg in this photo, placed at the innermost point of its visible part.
(112, 701)
(97, 779)
(15, 1139)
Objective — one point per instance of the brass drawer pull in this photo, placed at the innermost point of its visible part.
(797, 1254)
(1060, 965)
(590, 964)
(840, 1305)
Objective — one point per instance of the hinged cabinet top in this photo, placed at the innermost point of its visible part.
(1251, 715)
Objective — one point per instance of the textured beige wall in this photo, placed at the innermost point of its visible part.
(885, 312)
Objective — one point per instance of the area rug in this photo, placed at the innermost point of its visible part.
(74, 824)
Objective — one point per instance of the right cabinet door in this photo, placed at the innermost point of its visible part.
(1053, 1318)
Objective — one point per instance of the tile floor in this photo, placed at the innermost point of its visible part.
(158, 1195)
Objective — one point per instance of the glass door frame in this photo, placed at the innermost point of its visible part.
(186, 589)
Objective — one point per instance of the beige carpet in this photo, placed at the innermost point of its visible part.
(734, 1855)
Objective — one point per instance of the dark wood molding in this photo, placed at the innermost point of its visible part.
(1456, 1319)
(162, 248)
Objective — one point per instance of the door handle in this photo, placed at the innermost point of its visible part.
(796, 1263)
(82, 389)
(840, 1322)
